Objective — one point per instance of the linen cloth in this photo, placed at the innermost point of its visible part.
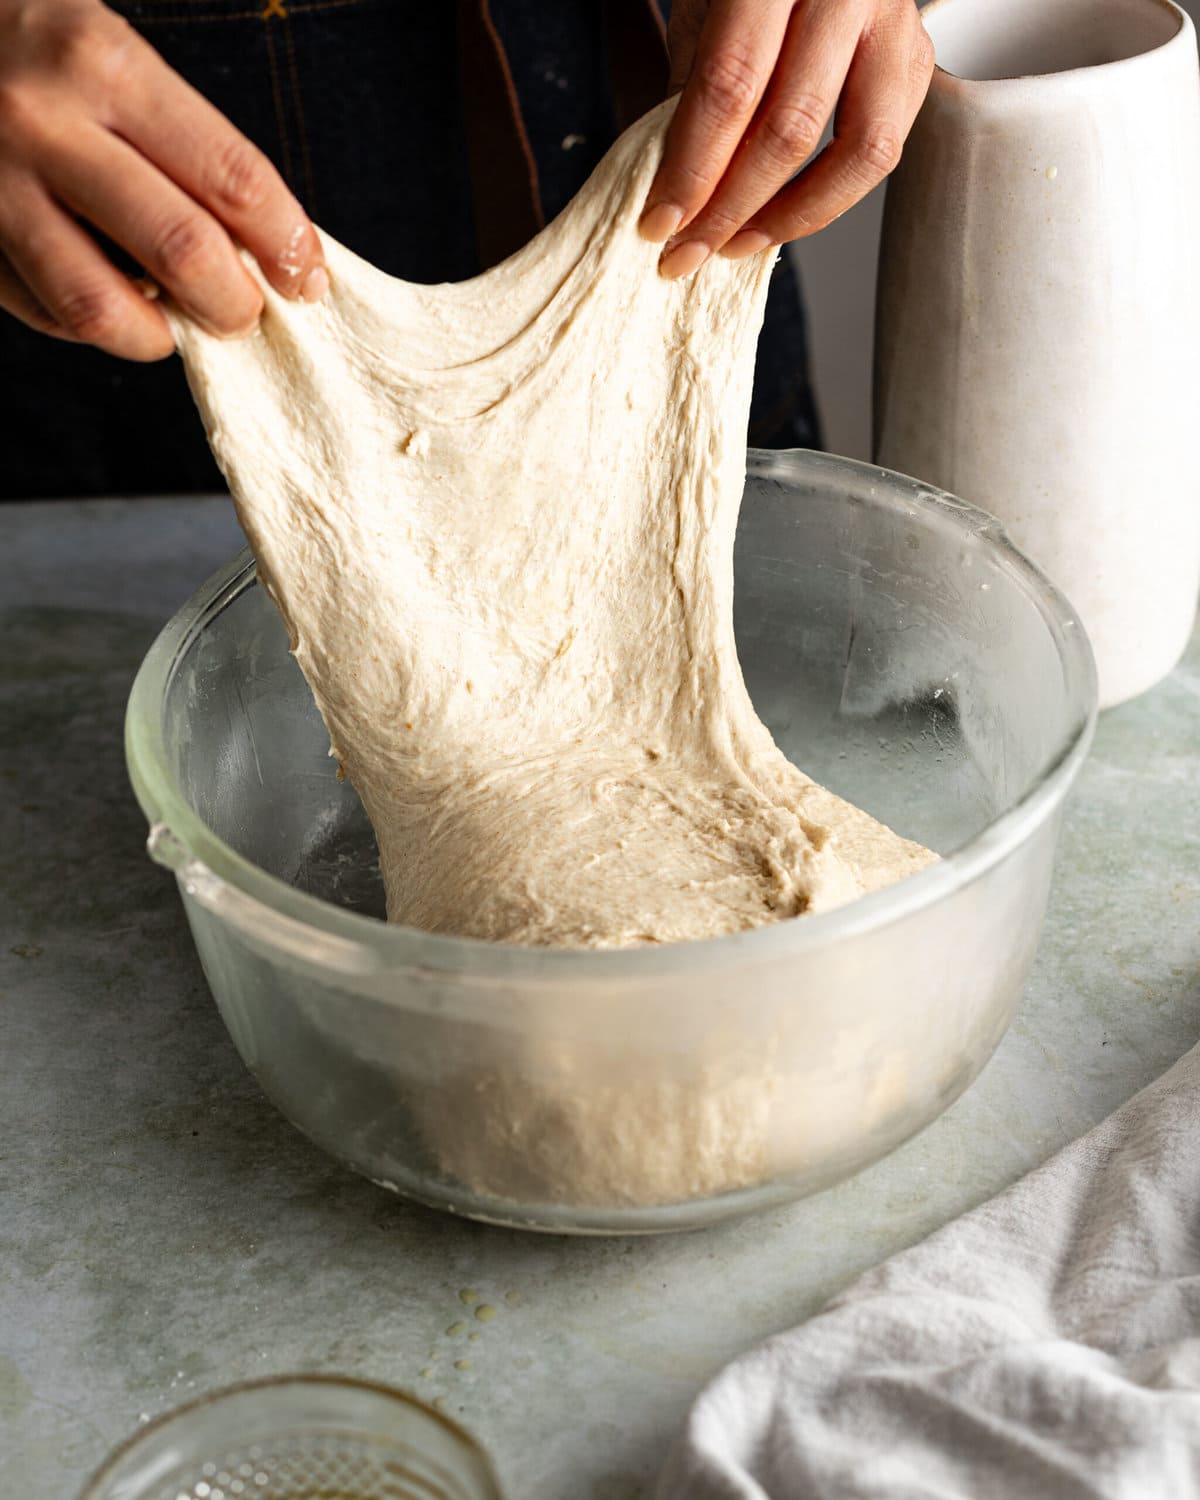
(1045, 1344)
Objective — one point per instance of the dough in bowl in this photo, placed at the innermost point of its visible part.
(498, 519)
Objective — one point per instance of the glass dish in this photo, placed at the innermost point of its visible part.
(298, 1437)
(902, 652)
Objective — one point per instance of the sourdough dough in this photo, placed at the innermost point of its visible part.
(498, 518)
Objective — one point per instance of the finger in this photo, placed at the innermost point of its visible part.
(683, 36)
(734, 59)
(876, 112)
(65, 272)
(217, 166)
(813, 63)
(179, 243)
(17, 299)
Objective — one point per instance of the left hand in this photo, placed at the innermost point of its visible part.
(760, 80)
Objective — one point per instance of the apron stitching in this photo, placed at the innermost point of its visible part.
(294, 8)
(180, 20)
(323, 4)
(289, 42)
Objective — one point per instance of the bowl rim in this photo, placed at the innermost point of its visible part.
(142, 1442)
(269, 910)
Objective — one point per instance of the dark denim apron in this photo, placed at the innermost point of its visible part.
(429, 137)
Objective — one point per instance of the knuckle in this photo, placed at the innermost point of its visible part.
(187, 247)
(91, 313)
(715, 225)
(39, 319)
(728, 81)
(84, 40)
(791, 129)
(923, 58)
(878, 149)
(690, 182)
(241, 175)
(720, 224)
(16, 298)
(110, 54)
(19, 110)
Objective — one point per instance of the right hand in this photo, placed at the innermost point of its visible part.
(95, 127)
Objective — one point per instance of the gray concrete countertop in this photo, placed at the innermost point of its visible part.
(163, 1231)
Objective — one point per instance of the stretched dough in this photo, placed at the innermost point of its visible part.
(498, 519)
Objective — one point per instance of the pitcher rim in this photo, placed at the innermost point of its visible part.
(1184, 31)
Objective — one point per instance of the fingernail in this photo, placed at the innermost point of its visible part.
(660, 222)
(316, 284)
(683, 260)
(233, 334)
(745, 242)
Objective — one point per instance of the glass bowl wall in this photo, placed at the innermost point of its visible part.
(901, 652)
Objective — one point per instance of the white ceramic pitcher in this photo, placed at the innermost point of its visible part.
(1037, 343)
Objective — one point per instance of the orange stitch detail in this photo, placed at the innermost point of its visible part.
(274, 8)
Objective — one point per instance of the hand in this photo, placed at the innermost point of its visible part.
(96, 130)
(760, 80)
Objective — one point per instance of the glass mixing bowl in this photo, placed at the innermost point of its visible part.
(902, 653)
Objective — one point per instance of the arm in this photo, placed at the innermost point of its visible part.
(97, 132)
(760, 80)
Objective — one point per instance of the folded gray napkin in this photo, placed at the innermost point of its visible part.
(1045, 1344)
